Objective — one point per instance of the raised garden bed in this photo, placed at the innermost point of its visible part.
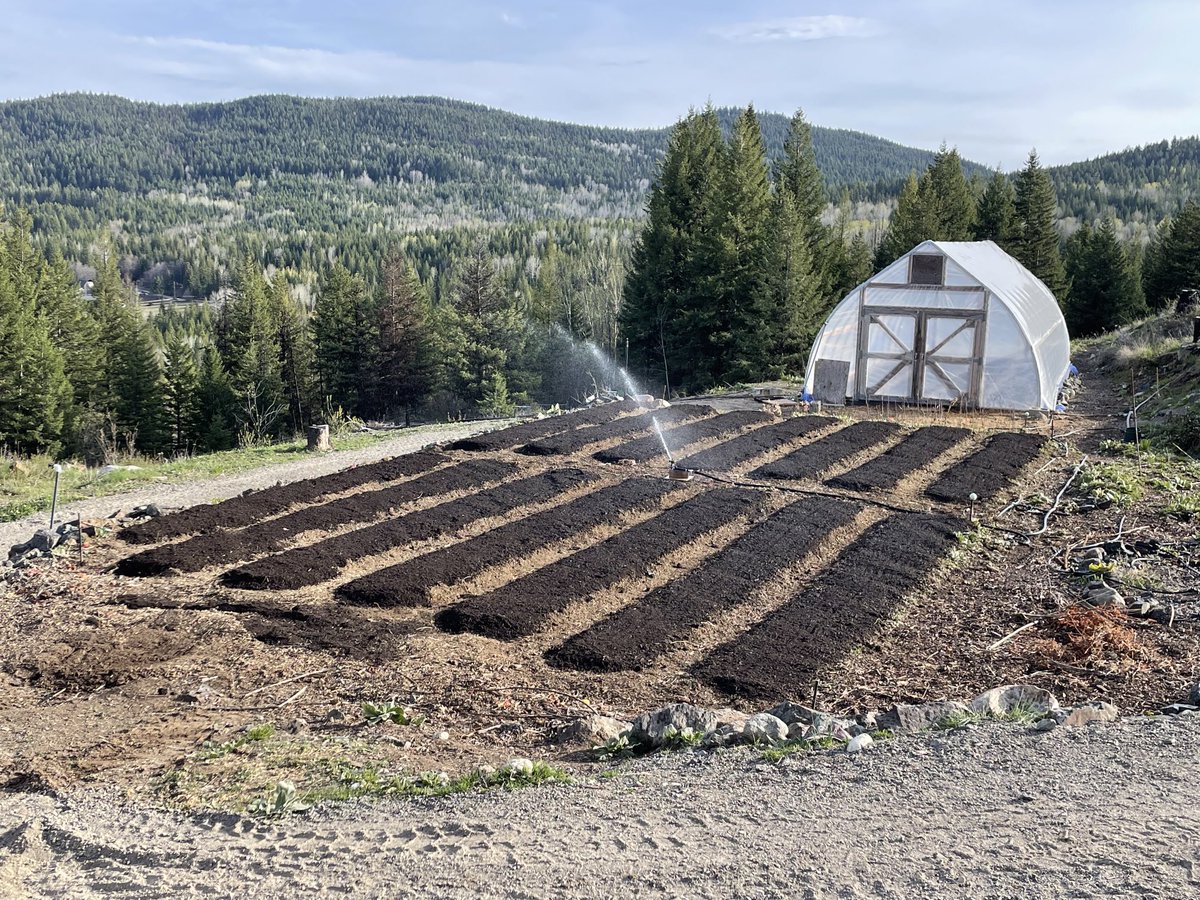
(515, 435)
(239, 511)
(912, 454)
(787, 651)
(637, 635)
(821, 455)
(409, 583)
(743, 448)
(319, 562)
(990, 470)
(522, 607)
(650, 448)
(574, 441)
(225, 546)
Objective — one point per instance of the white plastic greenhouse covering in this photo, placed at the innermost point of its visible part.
(999, 336)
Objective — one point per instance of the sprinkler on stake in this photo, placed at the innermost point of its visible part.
(972, 497)
(678, 473)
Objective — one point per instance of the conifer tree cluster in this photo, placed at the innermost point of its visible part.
(734, 270)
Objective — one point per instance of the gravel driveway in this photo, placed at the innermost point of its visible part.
(994, 811)
(206, 490)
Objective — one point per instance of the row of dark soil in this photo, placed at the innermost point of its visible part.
(911, 455)
(253, 506)
(743, 448)
(637, 635)
(409, 583)
(522, 607)
(823, 454)
(574, 441)
(218, 547)
(650, 447)
(516, 435)
(319, 562)
(787, 651)
(990, 470)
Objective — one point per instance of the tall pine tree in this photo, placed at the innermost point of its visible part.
(997, 213)
(1036, 242)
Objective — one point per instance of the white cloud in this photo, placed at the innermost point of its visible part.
(798, 28)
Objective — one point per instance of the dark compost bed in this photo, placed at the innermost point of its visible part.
(319, 562)
(743, 448)
(786, 652)
(912, 454)
(515, 435)
(649, 448)
(990, 470)
(219, 547)
(239, 511)
(522, 607)
(409, 583)
(823, 454)
(635, 636)
(574, 441)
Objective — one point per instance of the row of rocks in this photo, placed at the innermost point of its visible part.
(44, 541)
(682, 724)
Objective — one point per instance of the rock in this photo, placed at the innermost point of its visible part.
(791, 713)
(1047, 724)
(1091, 712)
(42, 541)
(108, 470)
(765, 728)
(730, 716)
(1195, 695)
(335, 715)
(148, 511)
(869, 720)
(724, 736)
(650, 728)
(920, 716)
(860, 743)
(298, 726)
(1093, 554)
(593, 730)
(1001, 701)
(486, 772)
(443, 735)
(1100, 594)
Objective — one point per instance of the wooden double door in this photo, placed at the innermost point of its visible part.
(920, 355)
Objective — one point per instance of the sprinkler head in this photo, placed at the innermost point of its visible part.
(676, 473)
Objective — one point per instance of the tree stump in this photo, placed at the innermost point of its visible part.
(318, 437)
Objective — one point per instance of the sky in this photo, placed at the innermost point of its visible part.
(1073, 78)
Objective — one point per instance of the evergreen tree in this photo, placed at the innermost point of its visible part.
(736, 243)
(343, 327)
(253, 350)
(296, 353)
(73, 330)
(794, 288)
(1173, 260)
(405, 346)
(910, 224)
(947, 198)
(1036, 243)
(1104, 292)
(997, 212)
(181, 381)
(798, 176)
(216, 404)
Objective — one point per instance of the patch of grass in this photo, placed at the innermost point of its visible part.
(801, 745)
(1185, 507)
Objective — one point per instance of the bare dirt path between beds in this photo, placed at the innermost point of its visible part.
(993, 811)
(221, 487)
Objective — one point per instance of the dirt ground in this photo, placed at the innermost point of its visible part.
(148, 686)
(988, 812)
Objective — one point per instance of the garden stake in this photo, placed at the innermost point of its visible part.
(54, 495)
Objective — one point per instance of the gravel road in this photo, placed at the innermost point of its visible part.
(993, 811)
(206, 490)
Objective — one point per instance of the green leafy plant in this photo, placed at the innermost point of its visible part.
(389, 711)
(280, 802)
(680, 738)
(620, 747)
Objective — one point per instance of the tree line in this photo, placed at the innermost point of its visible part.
(85, 372)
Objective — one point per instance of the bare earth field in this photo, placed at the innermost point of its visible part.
(502, 588)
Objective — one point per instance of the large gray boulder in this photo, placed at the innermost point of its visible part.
(1003, 701)
(653, 729)
(765, 728)
(919, 716)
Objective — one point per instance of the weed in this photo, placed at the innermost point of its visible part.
(389, 711)
(680, 738)
(1185, 507)
(802, 745)
(281, 801)
(260, 732)
(1109, 483)
(620, 747)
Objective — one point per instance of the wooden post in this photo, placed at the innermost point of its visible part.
(318, 437)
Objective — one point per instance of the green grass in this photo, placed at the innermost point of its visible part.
(27, 483)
